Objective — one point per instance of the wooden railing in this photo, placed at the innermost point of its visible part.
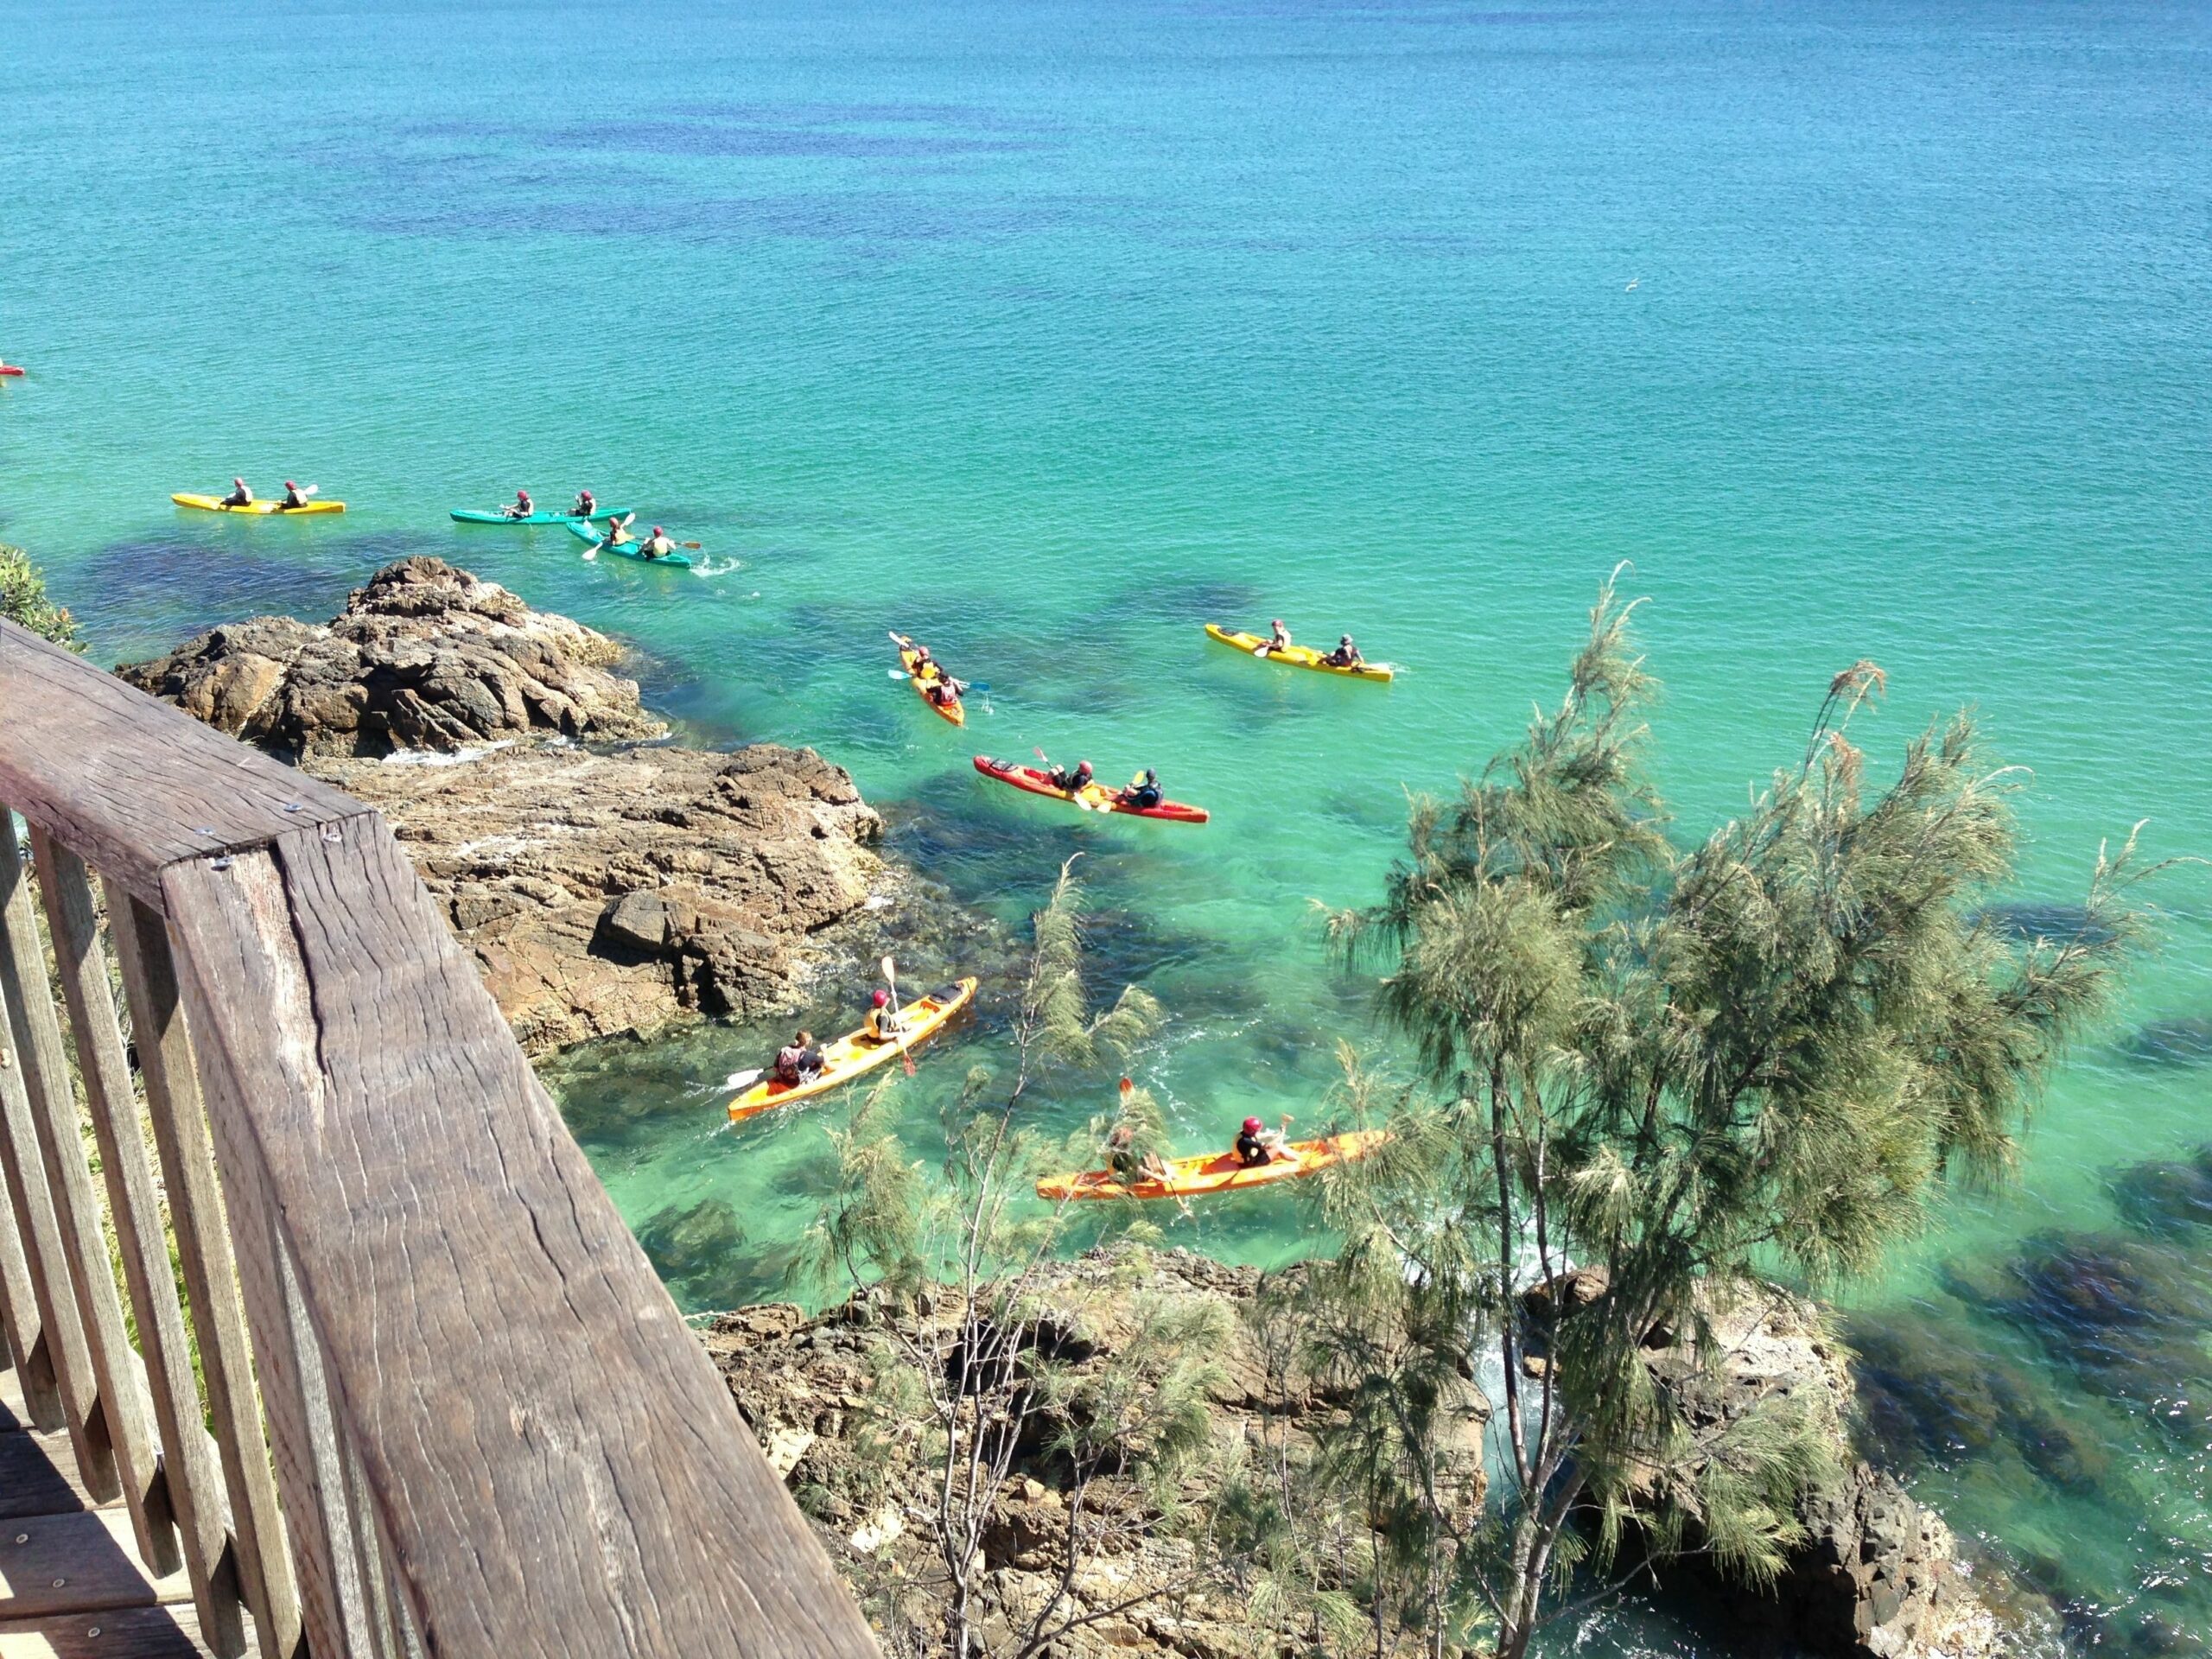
(442, 1404)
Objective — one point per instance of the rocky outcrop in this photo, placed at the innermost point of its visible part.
(1880, 1575)
(605, 891)
(606, 894)
(426, 656)
(809, 1388)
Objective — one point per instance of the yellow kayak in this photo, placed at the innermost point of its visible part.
(214, 503)
(855, 1054)
(1221, 1172)
(1298, 656)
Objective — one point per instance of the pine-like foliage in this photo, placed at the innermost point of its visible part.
(22, 599)
(1675, 1068)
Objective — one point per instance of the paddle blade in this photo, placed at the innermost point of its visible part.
(743, 1079)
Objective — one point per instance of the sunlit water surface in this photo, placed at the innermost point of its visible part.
(1051, 333)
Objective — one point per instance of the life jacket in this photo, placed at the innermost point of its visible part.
(791, 1060)
(1252, 1150)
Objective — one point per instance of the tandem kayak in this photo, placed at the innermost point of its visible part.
(472, 516)
(951, 708)
(1222, 1171)
(584, 532)
(854, 1055)
(1296, 655)
(1092, 797)
(214, 503)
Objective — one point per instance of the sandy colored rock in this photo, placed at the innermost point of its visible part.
(605, 887)
(426, 656)
(611, 893)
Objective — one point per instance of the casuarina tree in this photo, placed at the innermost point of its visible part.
(1653, 1072)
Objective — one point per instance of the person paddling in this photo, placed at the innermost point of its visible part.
(240, 496)
(296, 495)
(1130, 1162)
(523, 507)
(1074, 782)
(799, 1061)
(586, 504)
(884, 1023)
(657, 545)
(1346, 655)
(618, 530)
(1256, 1144)
(1277, 640)
(1143, 792)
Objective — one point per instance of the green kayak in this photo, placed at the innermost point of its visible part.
(626, 551)
(471, 516)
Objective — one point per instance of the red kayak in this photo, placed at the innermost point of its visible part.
(9, 368)
(1092, 797)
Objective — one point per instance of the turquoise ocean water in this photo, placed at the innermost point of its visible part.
(1051, 333)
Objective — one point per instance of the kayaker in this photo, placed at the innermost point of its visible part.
(1129, 1163)
(618, 530)
(586, 504)
(1143, 790)
(657, 545)
(524, 505)
(1074, 782)
(799, 1061)
(296, 495)
(884, 1023)
(1257, 1144)
(1346, 655)
(240, 496)
(1278, 638)
(941, 691)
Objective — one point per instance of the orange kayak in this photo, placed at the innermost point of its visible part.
(1222, 1171)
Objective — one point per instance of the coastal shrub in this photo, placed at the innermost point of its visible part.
(22, 599)
(992, 1377)
(1652, 1069)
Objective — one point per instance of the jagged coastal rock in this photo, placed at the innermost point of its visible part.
(426, 656)
(605, 891)
(1879, 1576)
(606, 894)
(803, 1384)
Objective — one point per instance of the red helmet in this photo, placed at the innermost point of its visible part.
(881, 998)
(1253, 1125)
(656, 530)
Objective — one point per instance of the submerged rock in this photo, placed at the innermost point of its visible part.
(425, 657)
(2186, 1040)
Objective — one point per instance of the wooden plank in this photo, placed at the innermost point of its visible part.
(192, 1486)
(129, 782)
(76, 1563)
(242, 1059)
(45, 1250)
(559, 1467)
(38, 1476)
(122, 1391)
(124, 1633)
(203, 1243)
(27, 1390)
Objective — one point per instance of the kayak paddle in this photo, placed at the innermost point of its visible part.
(905, 1050)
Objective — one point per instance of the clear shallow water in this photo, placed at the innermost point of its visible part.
(1052, 335)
